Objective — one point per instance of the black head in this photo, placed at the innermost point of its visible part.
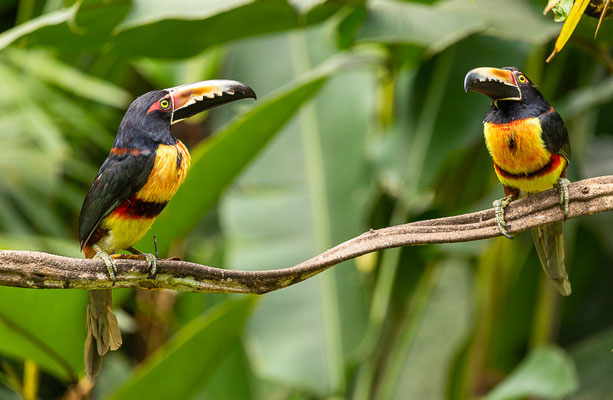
(513, 95)
(149, 117)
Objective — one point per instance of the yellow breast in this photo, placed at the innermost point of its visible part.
(169, 171)
(517, 147)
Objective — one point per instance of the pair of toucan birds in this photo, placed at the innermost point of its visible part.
(146, 165)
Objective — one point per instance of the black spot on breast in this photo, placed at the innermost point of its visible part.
(512, 142)
(179, 159)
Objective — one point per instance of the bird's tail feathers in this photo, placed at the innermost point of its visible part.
(549, 243)
(103, 332)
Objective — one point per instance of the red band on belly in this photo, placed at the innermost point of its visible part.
(136, 208)
(554, 162)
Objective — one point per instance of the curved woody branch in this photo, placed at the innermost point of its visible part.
(47, 271)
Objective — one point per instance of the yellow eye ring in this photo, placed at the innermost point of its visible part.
(164, 103)
(522, 79)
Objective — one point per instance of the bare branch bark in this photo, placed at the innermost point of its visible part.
(46, 271)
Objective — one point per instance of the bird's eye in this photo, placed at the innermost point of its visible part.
(164, 104)
(522, 79)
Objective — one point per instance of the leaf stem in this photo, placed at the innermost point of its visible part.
(311, 137)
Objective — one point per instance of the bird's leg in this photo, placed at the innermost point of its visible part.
(562, 185)
(150, 258)
(155, 245)
(499, 206)
(108, 261)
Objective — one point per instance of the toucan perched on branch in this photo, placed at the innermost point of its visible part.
(146, 166)
(529, 143)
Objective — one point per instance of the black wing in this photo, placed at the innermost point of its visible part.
(555, 134)
(119, 178)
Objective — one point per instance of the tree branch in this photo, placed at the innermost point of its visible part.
(46, 271)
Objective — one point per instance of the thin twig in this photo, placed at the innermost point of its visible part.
(46, 271)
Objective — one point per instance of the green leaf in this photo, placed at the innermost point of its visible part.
(85, 25)
(46, 326)
(155, 28)
(547, 373)
(48, 22)
(192, 356)
(438, 26)
(562, 9)
(217, 161)
(349, 26)
(99, 17)
(409, 23)
(518, 20)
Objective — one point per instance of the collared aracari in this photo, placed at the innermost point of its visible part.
(143, 171)
(529, 144)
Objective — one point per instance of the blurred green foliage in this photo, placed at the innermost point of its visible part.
(361, 123)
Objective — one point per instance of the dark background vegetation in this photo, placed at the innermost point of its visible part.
(361, 122)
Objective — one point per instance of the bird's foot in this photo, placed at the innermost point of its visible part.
(499, 206)
(150, 258)
(562, 185)
(152, 264)
(108, 261)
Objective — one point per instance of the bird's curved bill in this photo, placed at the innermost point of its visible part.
(498, 84)
(193, 98)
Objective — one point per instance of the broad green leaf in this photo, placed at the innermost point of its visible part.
(349, 26)
(99, 17)
(145, 12)
(315, 11)
(46, 326)
(155, 28)
(217, 161)
(48, 22)
(85, 26)
(410, 23)
(438, 26)
(547, 373)
(516, 20)
(192, 357)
